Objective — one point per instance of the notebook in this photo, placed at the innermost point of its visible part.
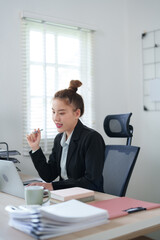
(79, 193)
(10, 181)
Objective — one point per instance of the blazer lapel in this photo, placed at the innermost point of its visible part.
(74, 141)
(59, 152)
(72, 148)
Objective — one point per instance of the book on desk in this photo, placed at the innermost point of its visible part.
(81, 194)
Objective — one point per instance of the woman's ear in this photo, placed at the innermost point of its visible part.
(78, 113)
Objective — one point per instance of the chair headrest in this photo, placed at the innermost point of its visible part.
(118, 125)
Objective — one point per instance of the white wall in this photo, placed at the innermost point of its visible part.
(106, 16)
(143, 15)
(117, 68)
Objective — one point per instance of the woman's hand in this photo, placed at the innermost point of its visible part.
(43, 184)
(33, 139)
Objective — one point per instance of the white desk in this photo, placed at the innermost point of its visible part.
(122, 228)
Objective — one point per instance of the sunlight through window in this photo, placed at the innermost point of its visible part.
(52, 56)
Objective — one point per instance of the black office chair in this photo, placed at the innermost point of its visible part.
(119, 159)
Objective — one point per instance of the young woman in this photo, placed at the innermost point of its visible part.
(78, 152)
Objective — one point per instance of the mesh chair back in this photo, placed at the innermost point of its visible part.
(118, 166)
(119, 159)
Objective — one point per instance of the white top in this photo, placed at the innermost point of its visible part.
(65, 146)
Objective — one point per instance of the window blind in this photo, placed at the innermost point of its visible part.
(52, 55)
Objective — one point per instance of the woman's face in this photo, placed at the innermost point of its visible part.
(64, 116)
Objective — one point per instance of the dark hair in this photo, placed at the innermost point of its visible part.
(71, 97)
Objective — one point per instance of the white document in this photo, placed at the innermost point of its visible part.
(56, 220)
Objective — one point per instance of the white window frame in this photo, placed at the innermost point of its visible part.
(86, 77)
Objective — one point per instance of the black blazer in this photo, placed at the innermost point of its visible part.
(84, 163)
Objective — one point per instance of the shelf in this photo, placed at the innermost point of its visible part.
(10, 152)
(5, 154)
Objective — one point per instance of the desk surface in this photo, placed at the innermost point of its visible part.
(122, 228)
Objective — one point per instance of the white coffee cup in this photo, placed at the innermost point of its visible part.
(34, 195)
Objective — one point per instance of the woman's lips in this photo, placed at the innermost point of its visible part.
(58, 125)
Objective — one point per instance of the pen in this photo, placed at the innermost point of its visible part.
(37, 131)
(136, 209)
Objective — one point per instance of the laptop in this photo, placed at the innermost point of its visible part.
(10, 181)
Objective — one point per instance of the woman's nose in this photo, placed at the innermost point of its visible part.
(55, 117)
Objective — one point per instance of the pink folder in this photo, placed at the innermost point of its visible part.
(122, 206)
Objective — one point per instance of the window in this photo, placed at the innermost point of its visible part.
(52, 55)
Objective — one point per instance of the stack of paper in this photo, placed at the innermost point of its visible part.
(78, 193)
(55, 220)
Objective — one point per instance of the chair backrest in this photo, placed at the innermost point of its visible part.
(119, 159)
(118, 166)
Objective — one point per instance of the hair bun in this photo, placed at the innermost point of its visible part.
(74, 85)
